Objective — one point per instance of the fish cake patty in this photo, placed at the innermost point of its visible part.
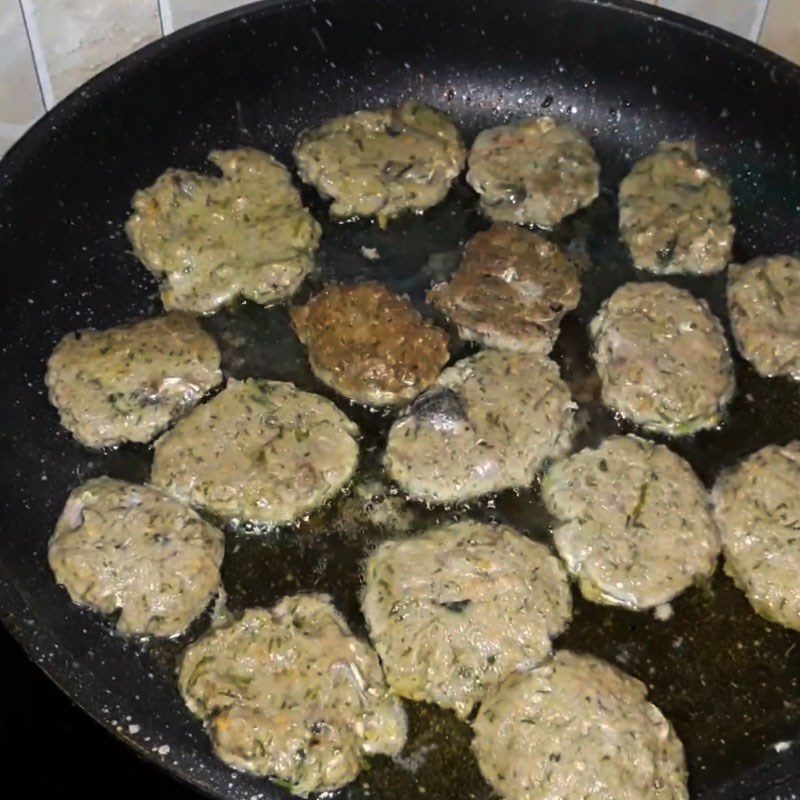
(382, 163)
(535, 171)
(577, 727)
(260, 451)
(122, 547)
(757, 507)
(370, 344)
(511, 290)
(290, 693)
(487, 424)
(452, 612)
(662, 358)
(210, 240)
(764, 308)
(635, 525)
(675, 213)
(129, 383)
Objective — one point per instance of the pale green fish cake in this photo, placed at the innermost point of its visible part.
(129, 383)
(382, 163)
(764, 307)
(260, 451)
(675, 213)
(452, 612)
(212, 239)
(534, 171)
(757, 507)
(662, 358)
(635, 525)
(489, 423)
(122, 547)
(577, 727)
(290, 693)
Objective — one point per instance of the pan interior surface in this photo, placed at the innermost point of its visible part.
(728, 680)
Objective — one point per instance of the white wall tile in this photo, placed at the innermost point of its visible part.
(20, 98)
(743, 17)
(74, 39)
(179, 13)
(781, 31)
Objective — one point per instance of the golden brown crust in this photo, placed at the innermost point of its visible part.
(370, 344)
(511, 290)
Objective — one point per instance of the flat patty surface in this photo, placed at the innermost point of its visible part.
(382, 163)
(764, 307)
(662, 358)
(487, 424)
(757, 506)
(212, 239)
(511, 290)
(129, 383)
(675, 213)
(291, 694)
(576, 727)
(533, 171)
(455, 610)
(636, 526)
(261, 451)
(370, 344)
(122, 547)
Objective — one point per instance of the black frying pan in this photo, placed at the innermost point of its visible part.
(623, 73)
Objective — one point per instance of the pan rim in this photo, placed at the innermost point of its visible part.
(36, 639)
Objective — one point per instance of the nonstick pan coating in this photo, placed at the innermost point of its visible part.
(624, 74)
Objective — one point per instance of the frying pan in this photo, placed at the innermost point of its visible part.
(625, 74)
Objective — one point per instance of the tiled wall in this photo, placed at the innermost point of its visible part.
(48, 47)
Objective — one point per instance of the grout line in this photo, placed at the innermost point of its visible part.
(37, 51)
(758, 22)
(165, 13)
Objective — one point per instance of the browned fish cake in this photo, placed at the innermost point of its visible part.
(370, 344)
(511, 291)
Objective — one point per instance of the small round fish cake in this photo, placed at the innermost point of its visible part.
(127, 384)
(122, 547)
(290, 693)
(675, 214)
(212, 239)
(533, 172)
(662, 358)
(577, 727)
(454, 611)
(511, 290)
(757, 507)
(260, 451)
(370, 344)
(382, 163)
(487, 424)
(635, 522)
(764, 307)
